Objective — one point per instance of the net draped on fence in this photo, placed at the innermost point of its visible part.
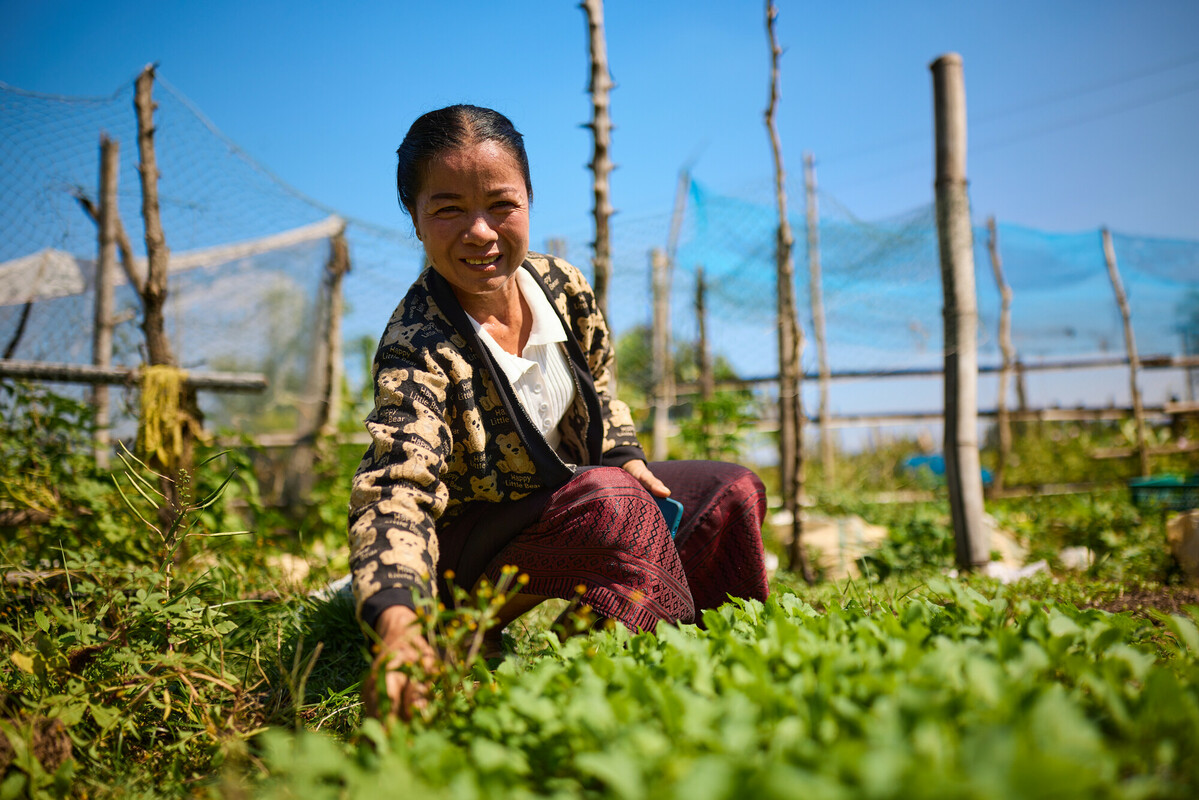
(248, 253)
(249, 256)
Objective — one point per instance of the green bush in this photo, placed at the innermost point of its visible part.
(175, 662)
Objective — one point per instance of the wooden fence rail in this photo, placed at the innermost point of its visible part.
(86, 373)
(1146, 362)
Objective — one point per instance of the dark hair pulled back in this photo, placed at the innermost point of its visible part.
(452, 128)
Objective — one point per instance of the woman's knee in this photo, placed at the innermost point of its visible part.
(753, 491)
(607, 500)
(601, 479)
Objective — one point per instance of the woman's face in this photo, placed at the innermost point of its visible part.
(472, 215)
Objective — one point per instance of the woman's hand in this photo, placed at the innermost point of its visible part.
(640, 470)
(400, 644)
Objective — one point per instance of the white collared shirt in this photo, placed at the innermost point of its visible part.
(540, 376)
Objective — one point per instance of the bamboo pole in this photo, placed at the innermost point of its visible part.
(791, 462)
(158, 347)
(102, 326)
(1003, 423)
(955, 237)
(828, 462)
(1130, 343)
(660, 267)
(601, 162)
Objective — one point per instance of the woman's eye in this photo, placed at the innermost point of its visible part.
(446, 211)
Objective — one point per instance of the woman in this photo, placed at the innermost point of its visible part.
(496, 438)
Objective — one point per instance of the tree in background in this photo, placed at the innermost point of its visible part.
(713, 429)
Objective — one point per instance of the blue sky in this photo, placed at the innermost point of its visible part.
(1081, 113)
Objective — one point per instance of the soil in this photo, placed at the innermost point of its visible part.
(50, 744)
(1168, 599)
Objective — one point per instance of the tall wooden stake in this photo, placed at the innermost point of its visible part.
(1021, 387)
(827, 456)
(660, 266)
(335, 270)
(962, 467)
(1003, 421)
(601, 162)
(124, 247)
(154, 296)
(707, 381)
(1130, 342)
(672, 247)
(791, 463)
(110, 163)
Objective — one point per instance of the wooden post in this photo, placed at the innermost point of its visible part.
(1003, 422)
(335, 270)
(827, 456)
(1190, 347)
(1021, 387)
(124, 247)
(1130, 342)
(601, 162)
(791, 463)
(663, 371)
(672, 247)
(707, 381)
(962, 467)
(187, 419)
(158, 347)
(110, 163)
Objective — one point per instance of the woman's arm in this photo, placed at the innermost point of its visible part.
(396, 499)
(398, 492)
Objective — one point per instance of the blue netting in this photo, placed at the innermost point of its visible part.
(882, 287)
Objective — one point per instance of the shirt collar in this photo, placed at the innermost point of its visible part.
(547, 328)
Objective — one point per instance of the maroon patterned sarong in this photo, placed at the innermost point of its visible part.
(603, 531)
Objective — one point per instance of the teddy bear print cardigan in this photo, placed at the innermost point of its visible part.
(448, 431)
